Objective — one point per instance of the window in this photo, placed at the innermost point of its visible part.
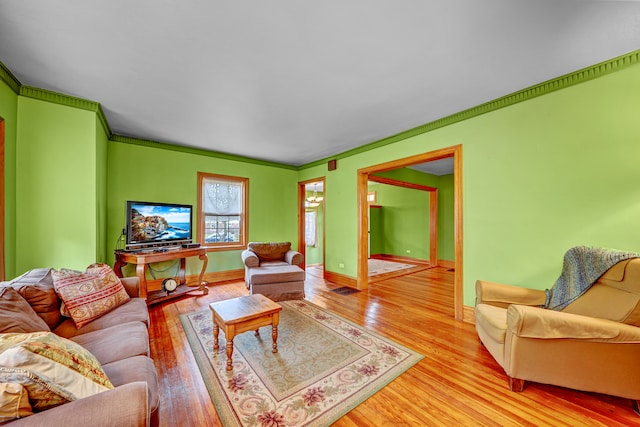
(311, 234)
(222, 211)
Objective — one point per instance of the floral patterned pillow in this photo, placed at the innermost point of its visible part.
(89, 295)
(53, 370)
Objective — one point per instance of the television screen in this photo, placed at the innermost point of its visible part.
(151, 223)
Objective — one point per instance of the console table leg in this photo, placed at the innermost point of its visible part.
(205, 261)
(141, 272)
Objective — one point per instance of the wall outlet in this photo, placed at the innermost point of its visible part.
(341, 265)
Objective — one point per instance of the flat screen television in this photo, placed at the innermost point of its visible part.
(158, 224)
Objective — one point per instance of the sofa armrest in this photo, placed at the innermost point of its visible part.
(293, 257)
(126, 405)
(500, 295)
(131, 285)
(250, 259)
(534, 322)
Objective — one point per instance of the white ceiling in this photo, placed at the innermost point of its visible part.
(292, 81)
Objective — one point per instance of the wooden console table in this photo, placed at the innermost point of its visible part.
(143, 258)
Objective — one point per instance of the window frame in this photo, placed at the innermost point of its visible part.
(244, 215)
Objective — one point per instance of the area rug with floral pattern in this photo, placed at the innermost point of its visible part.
(326, 365)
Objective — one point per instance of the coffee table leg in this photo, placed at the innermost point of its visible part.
(274, 337)
(229, 354)
(216, 332)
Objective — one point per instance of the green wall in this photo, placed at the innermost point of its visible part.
(444, 184)
(402, 226)
(539, 177)
(161, 174)
(9, 113)
(56, 182)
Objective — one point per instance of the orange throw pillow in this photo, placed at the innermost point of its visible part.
(91, 294)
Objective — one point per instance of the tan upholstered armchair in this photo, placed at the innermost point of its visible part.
(593, 344)
(273, 270)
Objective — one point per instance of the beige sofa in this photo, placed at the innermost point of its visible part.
(593, 344)
(119, 340)
(273, 270)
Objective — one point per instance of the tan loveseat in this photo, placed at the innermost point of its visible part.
(593, 344)
(119, 340)
(273, 270)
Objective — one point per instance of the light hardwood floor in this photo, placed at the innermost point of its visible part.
(456, 384)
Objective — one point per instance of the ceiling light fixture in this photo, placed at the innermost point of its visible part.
(314, 200)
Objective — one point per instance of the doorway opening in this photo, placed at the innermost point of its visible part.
(311, 224)
(363, 215)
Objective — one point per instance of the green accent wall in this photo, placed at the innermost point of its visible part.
(401, 224)
(145, 173)
(56, 181)
(539, 177)
(551, 167)
(9, 113)
(102, 243)
(444, 184)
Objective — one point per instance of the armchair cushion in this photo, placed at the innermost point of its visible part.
(270, 251)
(493, 321)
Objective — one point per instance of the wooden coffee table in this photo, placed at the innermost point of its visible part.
(244, 314)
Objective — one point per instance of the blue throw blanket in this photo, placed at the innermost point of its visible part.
(581, 268)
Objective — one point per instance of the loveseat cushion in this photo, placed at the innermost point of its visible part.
(89, 295)
(135, 310)
(270, 251)
(137, 368)
(54, 370)
(36, 286)
(117, 342)
(16, 315)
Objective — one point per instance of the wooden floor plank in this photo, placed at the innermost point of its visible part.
(457, 382)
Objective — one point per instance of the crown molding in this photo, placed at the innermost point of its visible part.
(549, 86)
(7, 76)
(66, 100)
(197, 151)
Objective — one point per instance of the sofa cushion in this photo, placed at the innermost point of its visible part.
(14, 402)
(36, 286)
(16, 315)
(137, 368)
(54, 370)
(89, 295)
(135, 310)
(275, 274)
(493, 320)
(270, 251)
(117, 342)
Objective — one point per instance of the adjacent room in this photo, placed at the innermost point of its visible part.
(284, 214)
